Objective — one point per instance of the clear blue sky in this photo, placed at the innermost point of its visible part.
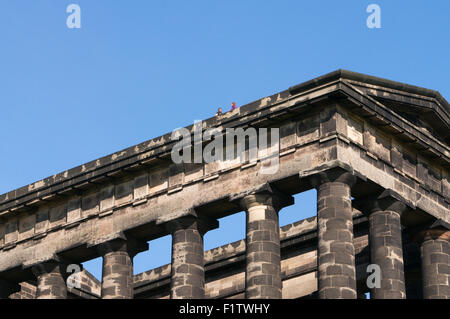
(138, 69)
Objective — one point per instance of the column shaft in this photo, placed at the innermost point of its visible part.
(386, 251)
(384, 210)
(263, 257)
(263, 270)
(117, 281)
(336, 253)
(188, 273)
(435, 255)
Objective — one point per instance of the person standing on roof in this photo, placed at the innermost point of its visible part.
(233, 106)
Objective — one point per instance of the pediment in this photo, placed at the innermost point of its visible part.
(426, 109)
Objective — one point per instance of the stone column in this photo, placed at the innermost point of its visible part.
(50, 280)
(435, 254)
(117, 276)
(263, 261)
(188, 272)
(336, 253)
(385, 240)
(7, 288)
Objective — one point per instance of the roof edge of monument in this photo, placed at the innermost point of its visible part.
(369, 79)
(84, 173)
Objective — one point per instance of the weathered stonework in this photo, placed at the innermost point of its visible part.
(50, 281)
(188, 274)
(263, 268)
(225, 266)
(387, 135)
(336, 253)
(117, 272)
(384, 211)
(435, 254)
(85, 286)
(27, 291)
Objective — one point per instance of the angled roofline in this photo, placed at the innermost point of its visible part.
(128, 156)
(369, 79)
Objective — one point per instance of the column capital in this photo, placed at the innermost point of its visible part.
(385, 200)
(124, 243)
(333, 175)
(45, 268)
(264, 194)
(55, 264)
(438, 229)
(202, 224)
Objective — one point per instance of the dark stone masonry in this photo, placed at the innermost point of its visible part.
(435, 254)
(117, 269)
(375, 151)
(263, 256)
(386, 249)
(188, 274)
(336, 253)
(50, 281)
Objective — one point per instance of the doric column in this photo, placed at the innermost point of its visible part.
(188, 272)
(263, 267)
(435, 253)
(385, 240)
(117, 276)
(7, 288)
(50, 280)
(336, 253)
